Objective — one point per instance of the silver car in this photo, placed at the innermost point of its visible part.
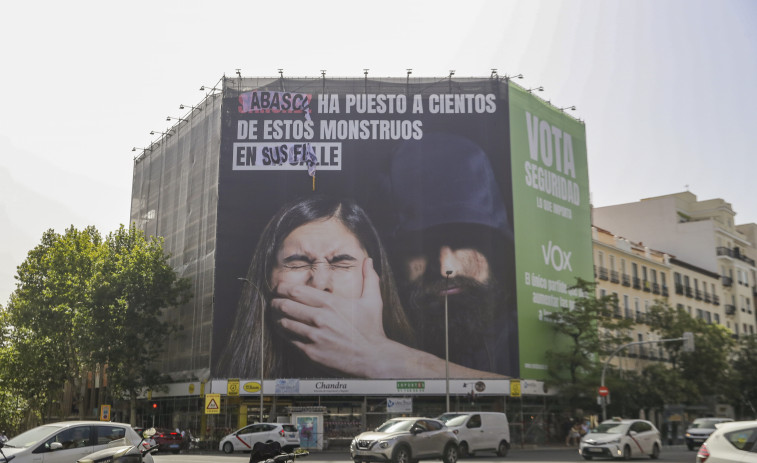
(403, 440)
(700, 430)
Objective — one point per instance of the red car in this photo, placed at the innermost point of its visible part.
(167, 440)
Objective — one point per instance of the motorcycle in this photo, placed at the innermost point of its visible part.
(6, 459)
(120, 451)
(271, 453)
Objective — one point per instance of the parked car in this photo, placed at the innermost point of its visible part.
(244, 439)
(624, 439)
(168, 440)
(479, 431)
(731, 442)
(68, 441)
(700, 430)
(405, 440)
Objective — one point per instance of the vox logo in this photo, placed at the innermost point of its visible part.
(556, 257)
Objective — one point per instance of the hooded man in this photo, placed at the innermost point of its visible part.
(452, 240)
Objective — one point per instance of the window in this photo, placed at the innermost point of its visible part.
(653, 275)
(600, 259)
(474, 422)
(662, 278)
(717, 318)
(625, 302)
(74, 437)
(622, 265)
(677, 278)
(635, 269)
(612, 262)
(106, 434)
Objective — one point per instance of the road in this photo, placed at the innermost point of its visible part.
(675, 454)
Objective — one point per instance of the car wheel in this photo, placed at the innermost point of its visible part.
(463, 449)
(586, 457)
(450, 454)
(228, 447)
(627, 452)
(655, 452)
(502, 449)
(401, 455)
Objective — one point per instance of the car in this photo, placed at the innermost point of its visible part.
(406, 440)
(245, 438)
(168, 440)
(700, 430)
(67, 441)
(479, 431)
(731, 442)
(618, 438)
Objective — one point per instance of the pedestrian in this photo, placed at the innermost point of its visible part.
(3, 437)
(574, 435)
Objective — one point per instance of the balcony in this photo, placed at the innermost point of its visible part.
(640, 317)
(727, 281)
(707, 297)
(734, 253)
(665, 290)
(647, 286)
(679, 288)
(614, 276)
(715, 299)
(627, 280)
(603, 273)
(636, 283)
(655, 288)
(688, 291)
(698, 295)
(730, 309)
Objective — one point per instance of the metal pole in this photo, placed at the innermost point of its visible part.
(262, 338)
(446, 338)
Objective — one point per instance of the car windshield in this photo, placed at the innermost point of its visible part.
(611, 428)
(396, 426)
(452, 419)
(707, 424)
(31, 437)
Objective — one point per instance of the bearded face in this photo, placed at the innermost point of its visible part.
(451, 261)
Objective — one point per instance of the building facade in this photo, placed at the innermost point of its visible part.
(703, 235)
(432, 162)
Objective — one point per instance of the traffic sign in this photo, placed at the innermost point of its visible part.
(603, 391)
(212, 404)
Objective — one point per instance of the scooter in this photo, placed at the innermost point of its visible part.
(6, 459)
(119, 451)
(271, 453)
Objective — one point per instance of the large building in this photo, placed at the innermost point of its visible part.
(469, 195)
(715, 278)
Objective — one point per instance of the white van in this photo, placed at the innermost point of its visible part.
(479, 431)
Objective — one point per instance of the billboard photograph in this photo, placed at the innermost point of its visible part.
(366, 229)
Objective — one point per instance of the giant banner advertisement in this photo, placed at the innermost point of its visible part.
(371, 229)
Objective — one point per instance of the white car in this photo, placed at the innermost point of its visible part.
(244, 439)
(734, 441)
(621, 439)
(68, 441)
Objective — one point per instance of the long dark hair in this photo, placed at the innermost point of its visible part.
(281, 359)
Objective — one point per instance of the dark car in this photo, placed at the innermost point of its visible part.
(700, 430)
(167, 440)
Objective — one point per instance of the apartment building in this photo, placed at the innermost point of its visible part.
(704, 236)
(639, 277)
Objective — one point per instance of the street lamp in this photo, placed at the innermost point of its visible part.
(446, 338)
(262, 350)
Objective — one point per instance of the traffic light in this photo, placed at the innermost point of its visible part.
(154, 405)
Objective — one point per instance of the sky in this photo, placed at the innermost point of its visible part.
(667, 88)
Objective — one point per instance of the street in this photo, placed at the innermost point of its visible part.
(674, 454)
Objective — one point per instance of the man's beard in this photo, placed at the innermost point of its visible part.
(471, 313)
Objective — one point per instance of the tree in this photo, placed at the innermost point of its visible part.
(693, 375)
(47, 313)
(83, 303)
(744, 391)
(132, 284)
(588, 329)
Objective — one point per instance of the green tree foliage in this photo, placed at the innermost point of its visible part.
(692, 375)
(589, 328)
(82, 301)
(744, 390)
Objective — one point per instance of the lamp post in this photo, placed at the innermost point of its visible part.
(262, 350)
(446, 338)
